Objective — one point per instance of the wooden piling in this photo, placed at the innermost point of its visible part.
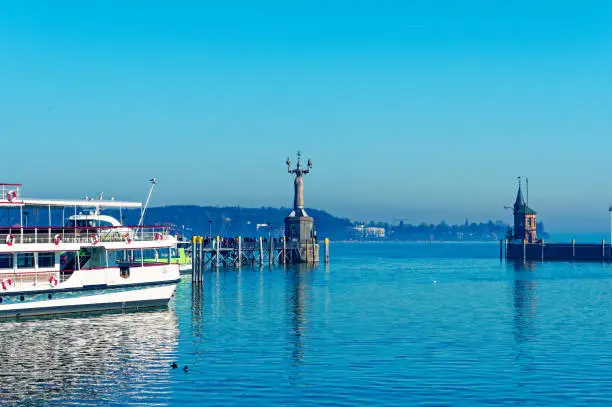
(603, 249)
(200, 258)
(326, 251)
(524, 250)
(270, 252)
(217, 257)
(239, 262)
(261, 261)
(284, 256)
(314, 251)
(542, 249)
(194, 259)
(573, 249)
(506, 247)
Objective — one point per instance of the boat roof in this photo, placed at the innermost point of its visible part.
(11, 195)
(82, 203)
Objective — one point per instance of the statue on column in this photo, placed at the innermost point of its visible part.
(298, 197)
(299, 227)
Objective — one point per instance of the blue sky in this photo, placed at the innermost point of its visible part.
(423, 110)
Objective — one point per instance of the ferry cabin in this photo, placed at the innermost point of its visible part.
(83, 255)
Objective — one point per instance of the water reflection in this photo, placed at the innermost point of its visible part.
(197, 308)
(525, 304)
(299, 281)
(87, 359)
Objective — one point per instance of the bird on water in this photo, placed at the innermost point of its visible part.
(174, 365)
(185, 369)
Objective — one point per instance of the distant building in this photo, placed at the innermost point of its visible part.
(524, 220)
(364, 231)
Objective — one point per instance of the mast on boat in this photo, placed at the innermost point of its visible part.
(153, 181)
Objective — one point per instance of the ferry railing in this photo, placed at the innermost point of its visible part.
(23, 279)
(84, 235)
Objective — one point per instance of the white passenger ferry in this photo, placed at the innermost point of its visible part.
(90, 262)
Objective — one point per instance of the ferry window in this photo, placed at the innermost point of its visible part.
(25, 260)
(6, 261)
(46, 259)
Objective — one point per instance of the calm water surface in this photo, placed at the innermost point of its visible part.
(384, 324)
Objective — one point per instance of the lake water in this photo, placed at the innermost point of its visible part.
(383, 324)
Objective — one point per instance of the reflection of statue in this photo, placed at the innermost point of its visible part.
(299, 280)
(298, 197)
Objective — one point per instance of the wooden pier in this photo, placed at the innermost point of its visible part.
(236, 252)
(555, 251)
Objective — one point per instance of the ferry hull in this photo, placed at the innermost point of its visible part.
(135, 299)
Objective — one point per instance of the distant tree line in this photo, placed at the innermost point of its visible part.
(234, 221)
(483, 231)
(231, 221)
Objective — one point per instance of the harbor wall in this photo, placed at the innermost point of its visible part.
(559, 251)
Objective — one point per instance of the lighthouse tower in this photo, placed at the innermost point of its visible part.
(524, 219)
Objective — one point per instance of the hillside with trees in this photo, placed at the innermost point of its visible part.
(237, 221)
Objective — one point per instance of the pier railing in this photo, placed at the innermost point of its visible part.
(83, 235)
(542, 250)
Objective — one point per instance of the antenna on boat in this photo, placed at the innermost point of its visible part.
(142, 214)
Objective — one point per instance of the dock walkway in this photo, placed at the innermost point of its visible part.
(235, 252)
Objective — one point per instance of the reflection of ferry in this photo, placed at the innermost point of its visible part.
(90, 263)
(67, 354)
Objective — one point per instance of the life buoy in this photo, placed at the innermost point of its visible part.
(93, 239)
(10, 239)
(127, 238)
(53, 281)
(11, 195)
(57, 239)
(158, 236)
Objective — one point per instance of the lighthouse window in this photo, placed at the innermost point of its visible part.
(46, 259)
(25, 260)
(6, 261)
